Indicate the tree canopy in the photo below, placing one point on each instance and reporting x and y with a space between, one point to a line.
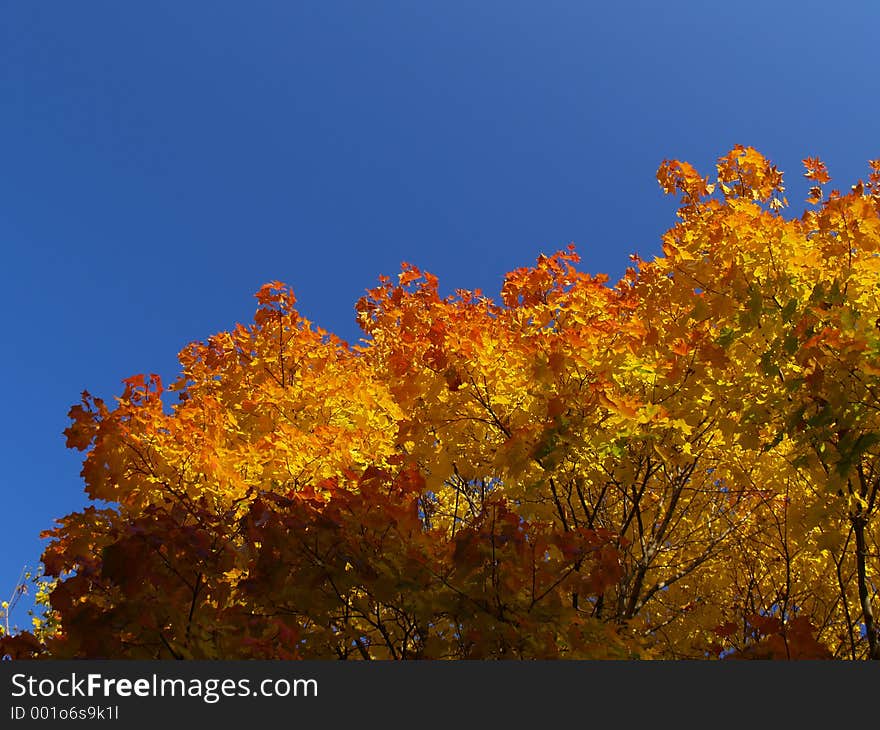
684 464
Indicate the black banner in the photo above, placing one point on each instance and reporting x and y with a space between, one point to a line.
451 694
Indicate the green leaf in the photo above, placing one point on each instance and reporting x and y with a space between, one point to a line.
726 338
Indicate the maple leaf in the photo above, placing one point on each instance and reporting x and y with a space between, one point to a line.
682 464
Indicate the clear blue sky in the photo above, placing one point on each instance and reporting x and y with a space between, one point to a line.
160 161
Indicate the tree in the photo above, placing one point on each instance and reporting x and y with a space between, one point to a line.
682 465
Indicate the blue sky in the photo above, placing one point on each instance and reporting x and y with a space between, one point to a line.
160 161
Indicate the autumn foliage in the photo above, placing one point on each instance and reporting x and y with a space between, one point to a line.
683 465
